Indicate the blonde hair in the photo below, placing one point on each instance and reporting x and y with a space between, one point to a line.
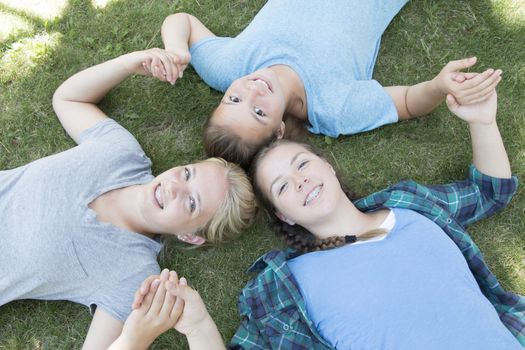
237 210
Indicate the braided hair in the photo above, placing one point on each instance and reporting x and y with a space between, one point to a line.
296 236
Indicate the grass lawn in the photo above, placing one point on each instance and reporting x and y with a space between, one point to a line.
44 42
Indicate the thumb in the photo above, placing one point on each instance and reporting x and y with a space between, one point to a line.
181 289
454 66
452 104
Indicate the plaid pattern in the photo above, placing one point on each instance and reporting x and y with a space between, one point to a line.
273 311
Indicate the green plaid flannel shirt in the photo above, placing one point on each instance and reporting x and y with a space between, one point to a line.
273 311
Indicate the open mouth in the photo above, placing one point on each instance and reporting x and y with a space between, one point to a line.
314 193
158 197
264 83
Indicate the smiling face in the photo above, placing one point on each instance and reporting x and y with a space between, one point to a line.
253 105
184 199
302 186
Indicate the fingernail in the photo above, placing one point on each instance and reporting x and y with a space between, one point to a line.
155 284
183 281
170 285
180 74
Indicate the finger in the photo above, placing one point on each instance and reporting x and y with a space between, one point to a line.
173 277
158 300
452 104
145 66
142 291
458 77
167 306
167 67
477 80
476 94
177 310
494 78
148 300
470 75
453 66
157 73
483 98
164 275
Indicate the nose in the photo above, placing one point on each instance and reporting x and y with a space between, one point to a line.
301 181
173 189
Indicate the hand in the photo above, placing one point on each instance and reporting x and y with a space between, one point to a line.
195 316
483 112
168 65
158 312
467 88
153 62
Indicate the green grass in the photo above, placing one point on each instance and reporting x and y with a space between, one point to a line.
37 54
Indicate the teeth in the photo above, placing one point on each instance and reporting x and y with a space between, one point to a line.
312 195
262 82
158 197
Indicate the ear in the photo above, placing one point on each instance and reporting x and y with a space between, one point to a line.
284 218
331 168
280 131
191 238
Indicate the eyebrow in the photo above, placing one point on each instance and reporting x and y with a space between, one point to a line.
198 195
252 113
294 158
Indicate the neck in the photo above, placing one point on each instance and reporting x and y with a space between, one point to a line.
293 89
121 208
348 220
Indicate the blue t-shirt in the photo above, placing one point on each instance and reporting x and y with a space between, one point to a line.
53 245
410 290
331 45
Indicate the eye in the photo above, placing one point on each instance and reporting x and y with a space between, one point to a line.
259 111
302 164
192 204
282 188
234 99
187 174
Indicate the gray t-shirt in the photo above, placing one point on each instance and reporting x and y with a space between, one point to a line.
53 246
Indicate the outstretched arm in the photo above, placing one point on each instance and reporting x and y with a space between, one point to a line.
420 99
75 101
489 154
179 32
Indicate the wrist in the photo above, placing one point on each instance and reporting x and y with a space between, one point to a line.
437 87
205 329
125 343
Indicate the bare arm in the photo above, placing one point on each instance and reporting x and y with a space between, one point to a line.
489 154
75 101
420 99
104 329
181 31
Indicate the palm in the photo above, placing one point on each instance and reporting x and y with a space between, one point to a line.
483 112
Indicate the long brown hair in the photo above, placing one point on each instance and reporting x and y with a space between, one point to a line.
297 236
220 141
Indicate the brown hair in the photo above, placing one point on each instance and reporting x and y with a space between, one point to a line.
236 211
220 141
296 236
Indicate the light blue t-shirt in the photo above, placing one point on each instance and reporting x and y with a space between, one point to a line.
53 246
332 45
411 290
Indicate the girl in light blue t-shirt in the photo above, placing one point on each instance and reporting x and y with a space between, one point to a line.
392 270
302 63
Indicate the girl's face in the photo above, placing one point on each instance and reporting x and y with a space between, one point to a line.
302 186
185 198
253 105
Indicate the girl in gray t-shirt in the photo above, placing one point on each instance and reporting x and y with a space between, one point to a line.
82 225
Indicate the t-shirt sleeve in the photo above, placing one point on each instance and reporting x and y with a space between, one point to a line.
110 132
350 108
214 61
116 299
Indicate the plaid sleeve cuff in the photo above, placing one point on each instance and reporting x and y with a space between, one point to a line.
500 189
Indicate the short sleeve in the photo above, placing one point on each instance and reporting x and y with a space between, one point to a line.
349 108
116 298
109 131
214 61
